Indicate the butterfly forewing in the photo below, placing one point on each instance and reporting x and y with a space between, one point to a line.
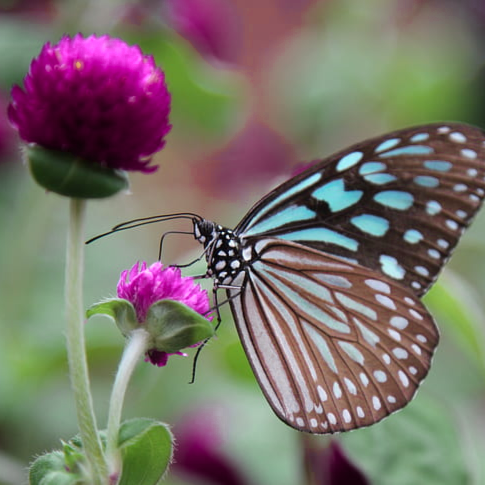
396 204
334 345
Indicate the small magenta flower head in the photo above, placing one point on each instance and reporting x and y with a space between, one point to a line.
97 103
170 307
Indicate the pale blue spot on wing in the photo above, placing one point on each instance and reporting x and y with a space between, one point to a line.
349 160
356 306
408 150
380 178
419 137
413 236
438 165
335 195
334 280
372 167
395 199
299 187
322 234
286 216
426 181
374 225
322 345
298 301
296 280
370 337
391 267
352 351
433 207
387 144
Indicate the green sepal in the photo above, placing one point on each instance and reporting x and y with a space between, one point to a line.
146 449
174 326
121 311
67 174
72 455
51 469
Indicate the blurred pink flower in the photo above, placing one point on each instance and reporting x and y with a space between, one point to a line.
34 10
211 26
8 137
255 156
200 453
330 466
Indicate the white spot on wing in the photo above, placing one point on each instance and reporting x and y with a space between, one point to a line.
346 416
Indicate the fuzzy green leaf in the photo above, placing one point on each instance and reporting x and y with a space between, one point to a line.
174 326
50 469
69 175
121 311
146 448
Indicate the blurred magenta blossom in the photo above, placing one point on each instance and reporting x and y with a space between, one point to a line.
8 137
330 466
200 453
34 10
97 98
256 156
211 26
142 286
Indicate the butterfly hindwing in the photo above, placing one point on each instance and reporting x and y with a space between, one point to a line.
334 345
396 204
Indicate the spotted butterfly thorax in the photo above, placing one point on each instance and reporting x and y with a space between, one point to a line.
324 274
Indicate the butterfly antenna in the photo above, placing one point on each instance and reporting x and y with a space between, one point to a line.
143 221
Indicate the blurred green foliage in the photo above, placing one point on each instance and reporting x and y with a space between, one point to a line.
350 70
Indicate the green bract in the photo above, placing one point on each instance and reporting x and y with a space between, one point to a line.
69 175
55 468
172 325
146 450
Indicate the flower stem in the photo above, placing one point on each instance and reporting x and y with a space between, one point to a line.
76 349
135 347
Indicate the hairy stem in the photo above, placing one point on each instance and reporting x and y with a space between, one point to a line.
76 348
134 349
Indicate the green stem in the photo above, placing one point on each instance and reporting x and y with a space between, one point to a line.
76 349
135 347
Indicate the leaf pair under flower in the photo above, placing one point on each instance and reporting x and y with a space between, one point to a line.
171 308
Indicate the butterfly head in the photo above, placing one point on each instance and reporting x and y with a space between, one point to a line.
222 250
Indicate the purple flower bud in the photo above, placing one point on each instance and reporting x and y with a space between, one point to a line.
97 98
143 287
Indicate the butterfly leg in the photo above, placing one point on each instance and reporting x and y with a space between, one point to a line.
161 246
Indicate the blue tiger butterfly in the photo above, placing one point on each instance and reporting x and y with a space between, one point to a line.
324 275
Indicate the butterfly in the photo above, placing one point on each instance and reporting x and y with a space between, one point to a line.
324 274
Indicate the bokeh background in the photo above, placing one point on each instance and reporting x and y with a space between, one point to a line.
258 86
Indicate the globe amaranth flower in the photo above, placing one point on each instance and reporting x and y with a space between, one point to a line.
97 98
143 286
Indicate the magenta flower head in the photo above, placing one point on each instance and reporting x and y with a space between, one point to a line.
97 99
170 307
